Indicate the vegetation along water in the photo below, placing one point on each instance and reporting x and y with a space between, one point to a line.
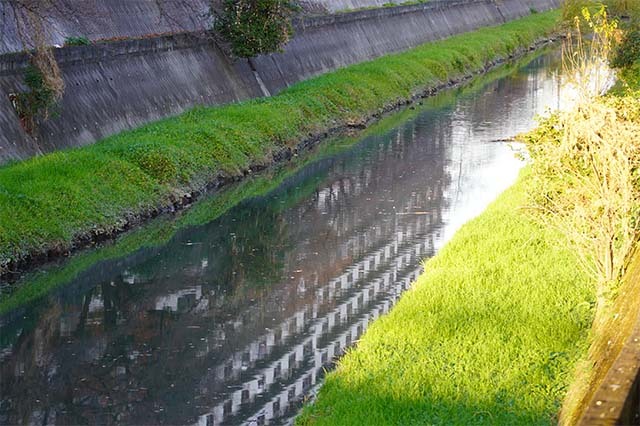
497 329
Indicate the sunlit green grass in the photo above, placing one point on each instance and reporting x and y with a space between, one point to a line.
49 201
489 334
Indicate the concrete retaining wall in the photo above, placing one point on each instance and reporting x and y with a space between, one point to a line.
104 19
110 88
616 399
333 6
115 86
117 19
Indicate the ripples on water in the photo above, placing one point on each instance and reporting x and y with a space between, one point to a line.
236 320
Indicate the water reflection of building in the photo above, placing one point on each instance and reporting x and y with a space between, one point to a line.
234 321
237 312
291 375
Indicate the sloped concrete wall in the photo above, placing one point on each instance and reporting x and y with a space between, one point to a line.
118 19
514 9
333 41
119 86
333 6
104 19
116 86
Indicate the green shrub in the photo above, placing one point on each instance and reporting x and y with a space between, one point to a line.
77 41
36 102
255 27
628 51
624 8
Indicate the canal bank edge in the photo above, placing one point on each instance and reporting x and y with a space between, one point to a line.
613 391
66 200
615 398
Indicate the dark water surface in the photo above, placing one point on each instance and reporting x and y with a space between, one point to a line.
233 320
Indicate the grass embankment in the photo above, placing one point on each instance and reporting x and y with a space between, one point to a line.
161 230
51 202
488 334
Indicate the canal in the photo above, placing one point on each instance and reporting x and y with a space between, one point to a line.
223 315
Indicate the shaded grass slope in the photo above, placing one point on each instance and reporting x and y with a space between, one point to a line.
489 334
50 203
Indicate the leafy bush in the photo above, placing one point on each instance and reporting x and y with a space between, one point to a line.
585 164
255 27
628 50
628 9
571 9
36 102
625 8
77 41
